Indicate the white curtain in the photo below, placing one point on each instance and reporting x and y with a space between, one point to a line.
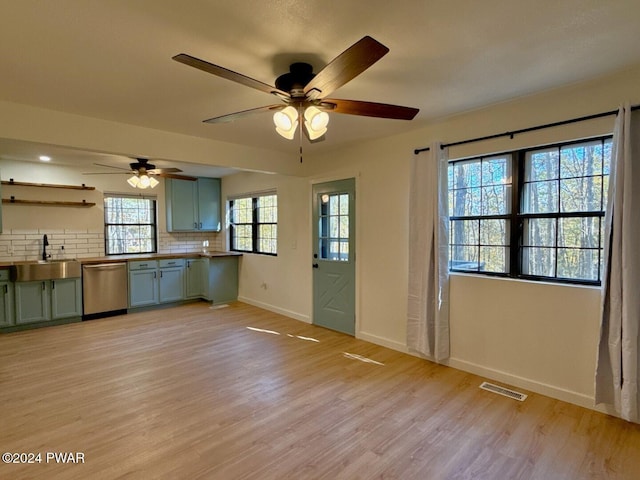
618 355
428 305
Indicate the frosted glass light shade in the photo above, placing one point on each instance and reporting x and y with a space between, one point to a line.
316 122
133 181
286 122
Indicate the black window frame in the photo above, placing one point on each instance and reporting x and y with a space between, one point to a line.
517 218
255 224
153 223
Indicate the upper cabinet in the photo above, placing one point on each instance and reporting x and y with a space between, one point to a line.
193 206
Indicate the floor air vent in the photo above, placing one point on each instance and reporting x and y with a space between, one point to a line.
490 387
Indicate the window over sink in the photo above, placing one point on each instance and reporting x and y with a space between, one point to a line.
130 224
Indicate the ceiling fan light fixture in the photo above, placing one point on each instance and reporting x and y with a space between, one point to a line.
144 181
286 122
316 122
316 119
133 181
153 182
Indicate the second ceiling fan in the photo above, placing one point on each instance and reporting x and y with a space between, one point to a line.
305 94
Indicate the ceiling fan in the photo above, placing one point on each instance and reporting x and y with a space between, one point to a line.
305 94
142 173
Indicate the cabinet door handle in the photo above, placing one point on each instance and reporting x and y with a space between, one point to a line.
6 289
195 225
42 285
160 273
200 225
53 284
155 275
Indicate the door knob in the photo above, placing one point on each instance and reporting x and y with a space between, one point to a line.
315 265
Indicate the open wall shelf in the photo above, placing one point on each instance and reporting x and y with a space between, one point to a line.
46 185
15 201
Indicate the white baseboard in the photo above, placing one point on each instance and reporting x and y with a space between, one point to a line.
541 388
528 384
383 342
273 308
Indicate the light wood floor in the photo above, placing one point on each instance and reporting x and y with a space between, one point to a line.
193 393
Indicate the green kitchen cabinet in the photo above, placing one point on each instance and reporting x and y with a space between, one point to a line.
7 317
222 280
196 277
0 210
66 298
46 300
171 282
143 283
193 206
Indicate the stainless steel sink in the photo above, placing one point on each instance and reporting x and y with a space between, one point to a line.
46 270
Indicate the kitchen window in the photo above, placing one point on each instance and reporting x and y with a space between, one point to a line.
253 226
129 224
536 213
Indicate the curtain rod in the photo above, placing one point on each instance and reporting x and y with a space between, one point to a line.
525 130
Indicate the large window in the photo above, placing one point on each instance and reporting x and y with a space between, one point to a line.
129 225
254 224
535 213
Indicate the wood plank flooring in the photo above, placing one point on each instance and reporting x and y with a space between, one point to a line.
241 393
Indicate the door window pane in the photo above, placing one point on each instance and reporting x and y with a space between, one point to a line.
333 226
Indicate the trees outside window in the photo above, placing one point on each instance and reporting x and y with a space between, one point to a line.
254 224
129 225
535 213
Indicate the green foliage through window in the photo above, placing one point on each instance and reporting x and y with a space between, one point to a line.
130 225
254 224
553 197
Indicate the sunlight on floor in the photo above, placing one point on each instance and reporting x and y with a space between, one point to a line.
272 332
263 330
355 356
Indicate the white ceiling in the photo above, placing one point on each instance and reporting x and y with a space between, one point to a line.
112 59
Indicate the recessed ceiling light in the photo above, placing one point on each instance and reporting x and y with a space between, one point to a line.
45 158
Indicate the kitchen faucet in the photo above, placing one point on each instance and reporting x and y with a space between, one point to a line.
45 242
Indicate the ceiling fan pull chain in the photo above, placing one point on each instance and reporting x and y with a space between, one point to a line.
300 136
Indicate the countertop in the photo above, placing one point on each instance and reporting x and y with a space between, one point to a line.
126 258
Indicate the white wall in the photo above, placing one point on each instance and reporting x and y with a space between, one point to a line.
281 283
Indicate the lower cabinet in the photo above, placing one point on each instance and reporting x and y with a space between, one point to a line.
171 282
46 300
222 279
7 318
152 282
143 283
196 272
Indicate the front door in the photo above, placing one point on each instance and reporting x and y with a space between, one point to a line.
334 255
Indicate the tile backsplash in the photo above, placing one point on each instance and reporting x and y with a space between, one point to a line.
19 245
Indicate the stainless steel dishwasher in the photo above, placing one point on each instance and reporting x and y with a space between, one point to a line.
104 290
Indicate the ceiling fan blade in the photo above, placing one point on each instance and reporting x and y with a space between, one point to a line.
228 74
178 177
157 171
368 109
111 166
128 172
346 66
245 113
